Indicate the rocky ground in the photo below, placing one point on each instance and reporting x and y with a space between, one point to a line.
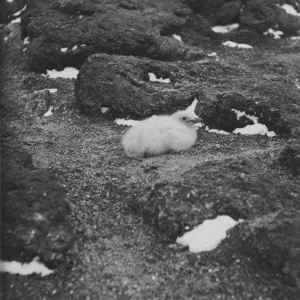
105 223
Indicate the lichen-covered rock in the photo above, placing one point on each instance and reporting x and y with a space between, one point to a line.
272 240
34 219
262 15
235 187
141 28
290 157
219 113
228 12
7 9
122 83
38 104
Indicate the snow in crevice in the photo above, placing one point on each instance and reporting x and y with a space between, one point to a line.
212 54
19 12
225 28
255 128
17 20
208 235
26 41
236 45
68 72
34 267
49 112
153 78
275 33
289 9
177 37
126 122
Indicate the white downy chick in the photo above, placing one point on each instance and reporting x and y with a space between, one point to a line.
162 134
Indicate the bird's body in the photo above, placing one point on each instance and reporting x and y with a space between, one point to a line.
161 134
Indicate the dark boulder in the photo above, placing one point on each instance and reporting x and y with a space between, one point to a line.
34 211
219 113
244 190
228 12
262 15
141 28
273 242
290 157
122 84
7 9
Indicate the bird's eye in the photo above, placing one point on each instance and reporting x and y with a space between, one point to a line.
184 118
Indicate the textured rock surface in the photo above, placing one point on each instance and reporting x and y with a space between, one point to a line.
244 190
290 157
114 27
34 212
273 241
7 9
122 84
262 15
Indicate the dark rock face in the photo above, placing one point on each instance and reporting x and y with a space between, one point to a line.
228 12
34 212
262 15
290 157
122 83
273 241
219 114
244 190
113 27
8 9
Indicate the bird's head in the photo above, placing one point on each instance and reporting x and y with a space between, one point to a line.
188 117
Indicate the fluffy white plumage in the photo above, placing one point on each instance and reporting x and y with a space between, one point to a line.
162 134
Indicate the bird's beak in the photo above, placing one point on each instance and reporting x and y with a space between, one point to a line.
196 120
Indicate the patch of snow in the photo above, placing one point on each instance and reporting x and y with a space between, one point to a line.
256 128
68 72
208 235
104 110
9 1
5 39
49 112
295 38
19 12
17 20
74 48
83 45
177 37
236 45
14 267
80 17
64 49
153 77
24 49
26 41
52 91
276 34
217 131
289 9
225 28
212 54
125 122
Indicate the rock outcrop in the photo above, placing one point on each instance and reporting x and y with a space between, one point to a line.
244 190
34 211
